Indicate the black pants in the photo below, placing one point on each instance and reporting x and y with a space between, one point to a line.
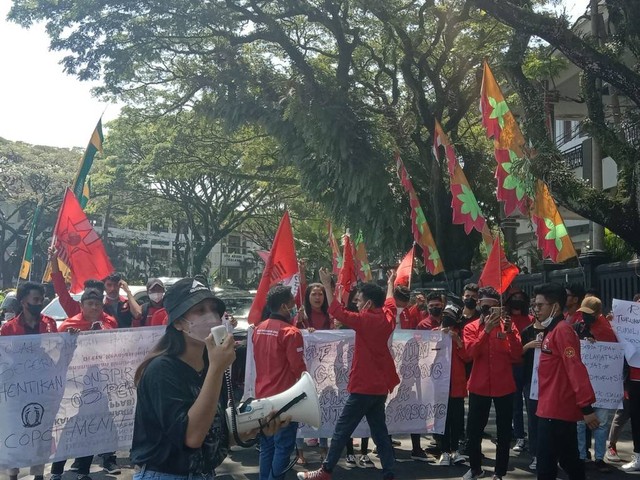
532 420
454 426
364 446
558 443
84 464
479 407
634 402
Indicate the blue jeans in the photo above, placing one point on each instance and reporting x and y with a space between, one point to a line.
599 435
372 407
144 474
275 452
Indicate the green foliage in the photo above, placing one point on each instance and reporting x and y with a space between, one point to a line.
617 249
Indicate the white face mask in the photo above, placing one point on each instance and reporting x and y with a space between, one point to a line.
8 316
549 319
156 297
200 327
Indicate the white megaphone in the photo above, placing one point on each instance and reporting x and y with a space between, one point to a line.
300 402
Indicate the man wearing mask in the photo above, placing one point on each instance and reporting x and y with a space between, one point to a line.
594 327
575 295
565 395
435 305
373 324
155 291
30 297
517 303
279 357
123 309
493 344
470 311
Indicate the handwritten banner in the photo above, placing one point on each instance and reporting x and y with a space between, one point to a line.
417 405
604 362
66 396
626 324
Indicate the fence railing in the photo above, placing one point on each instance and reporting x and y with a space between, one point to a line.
611 280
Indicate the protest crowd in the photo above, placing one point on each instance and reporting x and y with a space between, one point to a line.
180 428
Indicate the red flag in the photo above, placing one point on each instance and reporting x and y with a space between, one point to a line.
498 271
78 244
347 278
335 250
405 269
281 265
263 254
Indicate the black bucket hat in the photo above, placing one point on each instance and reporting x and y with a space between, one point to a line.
186 293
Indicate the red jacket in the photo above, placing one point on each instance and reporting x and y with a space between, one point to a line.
317 321
429 323
160 317
278 351
15 326
78 321
373 371
521 321
71 307
564 387
409 318
573 318
493 355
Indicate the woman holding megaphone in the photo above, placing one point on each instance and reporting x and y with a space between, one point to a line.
180 427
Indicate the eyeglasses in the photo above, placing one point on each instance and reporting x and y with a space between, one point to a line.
538 306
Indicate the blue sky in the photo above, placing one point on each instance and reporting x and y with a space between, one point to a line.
40 104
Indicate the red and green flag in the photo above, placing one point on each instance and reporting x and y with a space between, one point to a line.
94 146
508 143
419 226
466 210
362 259
553 237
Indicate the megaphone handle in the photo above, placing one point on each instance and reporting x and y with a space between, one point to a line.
234 422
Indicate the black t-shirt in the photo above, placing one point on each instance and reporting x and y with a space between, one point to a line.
528 335
166 392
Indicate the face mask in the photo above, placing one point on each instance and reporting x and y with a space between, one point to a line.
519 305
8 316
365 306
34 310
156 297
470 303
588 318
293 311
485 309
435 311
200 327
549 319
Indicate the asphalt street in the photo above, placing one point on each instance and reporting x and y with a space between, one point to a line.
242 464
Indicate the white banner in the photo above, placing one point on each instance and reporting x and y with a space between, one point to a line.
626 324
66 396
604 362
417 405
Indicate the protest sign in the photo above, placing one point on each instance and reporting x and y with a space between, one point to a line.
626 324
66 396
604 362
417 405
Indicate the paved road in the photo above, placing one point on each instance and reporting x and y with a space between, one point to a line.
243 465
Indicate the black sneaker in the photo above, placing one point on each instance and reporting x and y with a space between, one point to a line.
110 466
83 477
75 466
419 455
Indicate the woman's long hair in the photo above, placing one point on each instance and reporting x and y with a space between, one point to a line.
172 344
307 303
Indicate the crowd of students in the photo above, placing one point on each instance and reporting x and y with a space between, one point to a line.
181 431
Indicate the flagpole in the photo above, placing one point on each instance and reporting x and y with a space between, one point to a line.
413 256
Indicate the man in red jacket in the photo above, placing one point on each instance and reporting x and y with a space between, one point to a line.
279 357
30 321
565 394
373 373
493 344
30 297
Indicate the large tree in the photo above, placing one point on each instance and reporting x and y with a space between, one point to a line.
341 85
208 182
610 59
